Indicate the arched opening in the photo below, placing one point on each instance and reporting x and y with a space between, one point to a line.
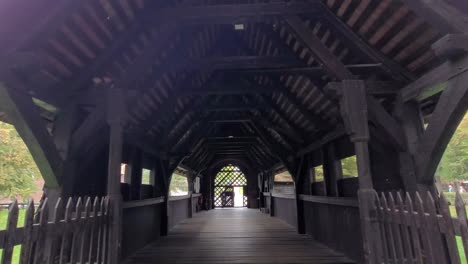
230 187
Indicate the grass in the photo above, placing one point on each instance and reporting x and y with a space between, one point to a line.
3 224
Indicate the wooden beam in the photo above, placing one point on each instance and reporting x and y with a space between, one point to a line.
290 124
450 110
355 42
331 136
235 13
63 129
434 81
325 57
238 63
440 14
384 121
240 108
32 128
227 89
451 46
313 70
374 88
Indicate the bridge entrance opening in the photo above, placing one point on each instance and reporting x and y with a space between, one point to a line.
229 187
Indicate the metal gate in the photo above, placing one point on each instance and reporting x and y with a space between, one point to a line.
227 178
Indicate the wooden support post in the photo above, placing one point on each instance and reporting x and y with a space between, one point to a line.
410 118
164 169
298 184
190 179
115 119
270 187
354 111
136 174
332 170
154 180
353 106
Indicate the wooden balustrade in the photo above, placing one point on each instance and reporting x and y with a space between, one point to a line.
74 233
416 228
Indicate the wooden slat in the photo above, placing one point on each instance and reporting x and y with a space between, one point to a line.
450 232
10 236
43 215
65 245
25 256
406 239
414 230
85 229
93 231
51 237
461 214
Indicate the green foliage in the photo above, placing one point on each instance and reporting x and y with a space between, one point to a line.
319 174
454 163
349 166
179 185
145 177
17 168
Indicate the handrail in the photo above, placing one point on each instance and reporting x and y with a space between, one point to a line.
177 198
283 195
145 202
341 201
196 195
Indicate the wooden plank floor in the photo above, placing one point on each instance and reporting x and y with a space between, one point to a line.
235 236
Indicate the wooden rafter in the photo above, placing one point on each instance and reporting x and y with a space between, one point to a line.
235 13
32 129
441 15
332 64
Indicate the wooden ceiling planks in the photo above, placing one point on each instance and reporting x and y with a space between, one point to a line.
107 37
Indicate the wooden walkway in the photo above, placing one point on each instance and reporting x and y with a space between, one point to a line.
235 236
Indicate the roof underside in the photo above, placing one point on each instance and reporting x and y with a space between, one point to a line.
198 88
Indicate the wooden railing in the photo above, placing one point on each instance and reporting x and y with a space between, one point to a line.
413 228
73 233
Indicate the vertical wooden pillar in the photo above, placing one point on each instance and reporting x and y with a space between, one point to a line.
164 169
154 180
353 106
136 174
410 117
270 188
299 183
190 178
115 119
332 170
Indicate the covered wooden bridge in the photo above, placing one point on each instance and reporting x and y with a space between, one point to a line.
247 90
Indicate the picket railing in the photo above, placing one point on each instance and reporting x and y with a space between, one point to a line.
73 233
414 229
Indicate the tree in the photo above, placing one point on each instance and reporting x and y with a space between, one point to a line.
18 171
349 166
454 163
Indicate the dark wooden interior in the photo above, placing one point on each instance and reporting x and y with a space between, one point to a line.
268 86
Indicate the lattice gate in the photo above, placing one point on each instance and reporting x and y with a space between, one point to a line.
227 178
